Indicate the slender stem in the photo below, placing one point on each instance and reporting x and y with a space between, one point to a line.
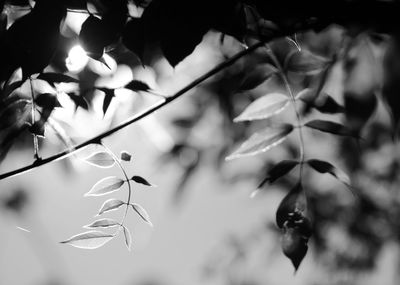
33 114
293 102
118 162
137 117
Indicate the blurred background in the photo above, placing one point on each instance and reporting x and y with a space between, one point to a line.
208 229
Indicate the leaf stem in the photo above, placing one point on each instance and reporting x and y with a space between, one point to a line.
293 102
33 120
118 162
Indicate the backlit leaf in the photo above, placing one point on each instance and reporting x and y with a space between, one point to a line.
294 202
330 127
294 245
326 167
89 240
262 141
280 169
110 205
128 238
257 76
100 159
264 107
103 223
105 186
142 213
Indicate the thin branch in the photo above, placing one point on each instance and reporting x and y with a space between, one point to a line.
138 117
33 112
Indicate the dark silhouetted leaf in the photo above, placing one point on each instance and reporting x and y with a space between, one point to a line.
38 128
125 156
79 101
262 141
257 76
100 159
92 37
47 101
108 96
137 85
264 107
294 245
128 238
103 223
140 180
280 169
305 62
330 127
52 78
295 202
110 205
106 186
326 167
9 89
142 213
89 240
324 103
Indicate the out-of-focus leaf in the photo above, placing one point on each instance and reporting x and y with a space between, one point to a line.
137 85
103 223
89 240
264 107
106 186
9 89
53 77
47 101
257 76
140 180
125 156
13 113
110 205
280 169
79 101
38 128
100 159
326 167
330 127
92 37
108 96
305 62
142 213
262 141
294 245
128 238
358 109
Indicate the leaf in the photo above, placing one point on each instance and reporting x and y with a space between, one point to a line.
92 37
280 169
326 167
294 202
262 141
103 223
142 213
105 186
38 129
330 127
100 159
89 240
257 76
264 107
125 156
9 89
79 101
128 238
294 245
110 205
108 96
137 85
53 77
47 101
325 104
305 62
141 180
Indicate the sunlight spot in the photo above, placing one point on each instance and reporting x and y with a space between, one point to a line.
77 59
